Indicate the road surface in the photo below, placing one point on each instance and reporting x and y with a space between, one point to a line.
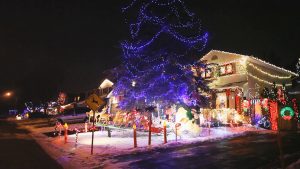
19 151
246 152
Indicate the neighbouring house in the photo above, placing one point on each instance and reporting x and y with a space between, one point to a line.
231 74
236 82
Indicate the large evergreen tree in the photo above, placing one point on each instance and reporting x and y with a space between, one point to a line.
157 60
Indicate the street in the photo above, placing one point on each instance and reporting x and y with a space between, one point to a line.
19 149
251 151
254 150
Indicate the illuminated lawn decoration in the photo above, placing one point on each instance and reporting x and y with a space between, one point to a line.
264 104
283 113
246 105
186 126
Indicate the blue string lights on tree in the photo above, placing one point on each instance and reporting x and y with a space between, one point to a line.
156 62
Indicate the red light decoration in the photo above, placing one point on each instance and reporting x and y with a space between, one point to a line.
238 103
295 107
274 115
228 92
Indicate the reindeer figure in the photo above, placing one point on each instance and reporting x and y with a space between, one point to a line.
119 118
90 115
103 116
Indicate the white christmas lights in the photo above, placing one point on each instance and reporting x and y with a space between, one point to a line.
268 74
264 81
254 58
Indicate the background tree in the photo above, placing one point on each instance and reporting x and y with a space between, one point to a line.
157 57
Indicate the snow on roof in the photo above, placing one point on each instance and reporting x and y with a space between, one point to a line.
105 84
253 59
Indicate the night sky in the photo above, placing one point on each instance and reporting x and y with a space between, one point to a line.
58 45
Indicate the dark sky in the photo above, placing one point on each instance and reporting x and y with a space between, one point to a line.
52 45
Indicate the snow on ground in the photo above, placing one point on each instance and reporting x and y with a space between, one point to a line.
121 142
295 165
122 139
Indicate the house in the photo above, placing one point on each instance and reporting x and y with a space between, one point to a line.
231 75
105 88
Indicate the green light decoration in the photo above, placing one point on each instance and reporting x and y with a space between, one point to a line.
283 113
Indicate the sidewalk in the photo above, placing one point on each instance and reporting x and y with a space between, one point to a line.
19 150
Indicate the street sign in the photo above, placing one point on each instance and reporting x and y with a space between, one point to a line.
94 102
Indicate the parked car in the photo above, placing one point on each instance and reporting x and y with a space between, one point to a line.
71 116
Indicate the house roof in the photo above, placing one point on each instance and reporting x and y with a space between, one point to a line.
252 59
105 84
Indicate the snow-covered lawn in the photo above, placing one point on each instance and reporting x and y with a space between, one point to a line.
120 142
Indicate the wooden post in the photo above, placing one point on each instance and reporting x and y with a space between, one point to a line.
76 139
176 129
66 132
150 124
92 146
176 132
134 136
209 128
85 127
165 132
108 132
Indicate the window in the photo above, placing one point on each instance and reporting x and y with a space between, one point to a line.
226 69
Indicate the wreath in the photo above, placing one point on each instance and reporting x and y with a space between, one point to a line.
283 113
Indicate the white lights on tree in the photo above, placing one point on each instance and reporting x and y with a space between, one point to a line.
133 83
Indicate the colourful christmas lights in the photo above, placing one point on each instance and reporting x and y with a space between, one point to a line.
274 114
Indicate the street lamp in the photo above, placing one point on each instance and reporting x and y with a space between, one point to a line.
7 94
11 95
